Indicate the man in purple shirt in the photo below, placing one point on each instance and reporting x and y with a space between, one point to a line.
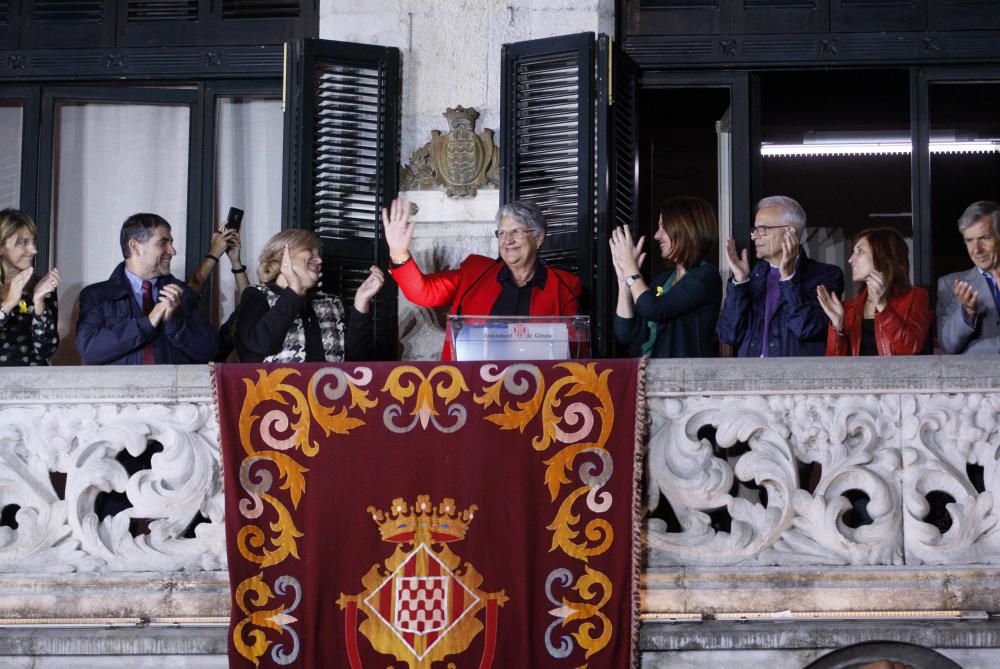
772 310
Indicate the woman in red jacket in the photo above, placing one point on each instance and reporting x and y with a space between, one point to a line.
889 316
517 283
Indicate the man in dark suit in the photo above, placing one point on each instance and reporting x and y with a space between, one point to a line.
772 309
967 305
142 314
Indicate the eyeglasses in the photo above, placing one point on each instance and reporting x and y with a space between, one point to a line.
764 229
516 234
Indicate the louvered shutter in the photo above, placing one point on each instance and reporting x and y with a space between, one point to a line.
216 22
547 143
9 24
341 162
58 23
617 174
556 146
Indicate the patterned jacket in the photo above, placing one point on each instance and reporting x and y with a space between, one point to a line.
272 327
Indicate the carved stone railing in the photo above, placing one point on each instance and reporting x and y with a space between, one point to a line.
814 484
73 547
803 485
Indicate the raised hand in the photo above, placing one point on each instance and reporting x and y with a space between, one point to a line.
369 289
292 279
877 289
967 297
789 252
232 238
217 246
398 228
16 289
833 307
625 253
47 284
739 264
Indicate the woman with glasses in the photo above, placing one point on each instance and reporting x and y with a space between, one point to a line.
675 315
28 310
517 283
889 316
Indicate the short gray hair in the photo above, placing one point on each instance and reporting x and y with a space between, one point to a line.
976 211
792 212
524 213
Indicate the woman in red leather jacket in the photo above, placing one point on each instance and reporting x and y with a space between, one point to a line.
889 316
516 283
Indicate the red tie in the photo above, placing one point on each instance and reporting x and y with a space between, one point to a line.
149 351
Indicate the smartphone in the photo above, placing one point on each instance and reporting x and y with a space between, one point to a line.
234 219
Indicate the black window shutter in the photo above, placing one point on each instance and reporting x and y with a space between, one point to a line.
547 144
62 23
617 173
568 144
341 158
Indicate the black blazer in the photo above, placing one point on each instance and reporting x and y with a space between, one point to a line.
686 315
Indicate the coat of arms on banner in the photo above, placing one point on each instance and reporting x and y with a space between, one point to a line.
423 603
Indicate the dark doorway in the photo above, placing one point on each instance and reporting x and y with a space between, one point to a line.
839 143
682 134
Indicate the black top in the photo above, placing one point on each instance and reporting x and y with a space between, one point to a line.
868 345
262 329
29 339
515 300
686 316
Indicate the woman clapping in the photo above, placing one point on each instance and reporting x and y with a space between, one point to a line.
889 316
28 334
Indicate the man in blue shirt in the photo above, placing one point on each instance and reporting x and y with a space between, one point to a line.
772 310
967 307
142 314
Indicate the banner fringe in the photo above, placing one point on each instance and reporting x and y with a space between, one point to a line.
638 507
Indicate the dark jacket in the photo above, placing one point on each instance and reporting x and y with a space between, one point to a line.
686 316
112 330
277 325
798 325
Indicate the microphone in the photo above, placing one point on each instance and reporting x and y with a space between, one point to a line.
458 308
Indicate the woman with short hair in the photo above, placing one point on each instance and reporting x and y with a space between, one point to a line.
286 319
889 316
28 307
517 283
675 315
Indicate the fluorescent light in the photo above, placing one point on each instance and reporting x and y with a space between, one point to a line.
877 148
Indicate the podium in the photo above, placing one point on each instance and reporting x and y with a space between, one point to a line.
519 337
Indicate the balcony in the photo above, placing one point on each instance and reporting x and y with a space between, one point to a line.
795 506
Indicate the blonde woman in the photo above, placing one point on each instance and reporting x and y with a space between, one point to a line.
285 319
28 308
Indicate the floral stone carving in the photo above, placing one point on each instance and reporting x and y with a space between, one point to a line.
460 160
853 480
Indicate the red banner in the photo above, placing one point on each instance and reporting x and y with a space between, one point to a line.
429 515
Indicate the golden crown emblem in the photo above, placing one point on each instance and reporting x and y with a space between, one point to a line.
422 522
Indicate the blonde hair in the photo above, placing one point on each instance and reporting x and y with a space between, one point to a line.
13 221
269 262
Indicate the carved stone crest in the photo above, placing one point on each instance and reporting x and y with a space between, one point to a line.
460 160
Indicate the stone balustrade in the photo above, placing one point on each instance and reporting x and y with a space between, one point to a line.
810 485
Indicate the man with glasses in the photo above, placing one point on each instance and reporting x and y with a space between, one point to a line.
772 309
967 307
516 283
